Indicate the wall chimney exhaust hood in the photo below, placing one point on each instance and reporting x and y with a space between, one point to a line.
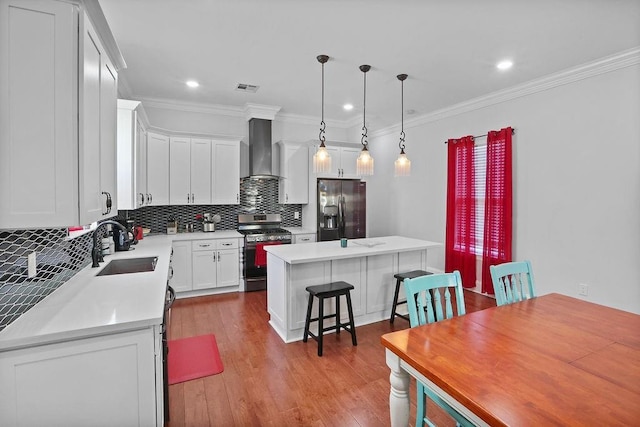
260 141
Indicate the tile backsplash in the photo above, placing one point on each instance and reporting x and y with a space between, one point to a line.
58 258
256 196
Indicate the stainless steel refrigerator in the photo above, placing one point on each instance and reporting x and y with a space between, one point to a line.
342 209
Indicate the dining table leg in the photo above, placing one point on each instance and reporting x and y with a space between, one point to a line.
399 394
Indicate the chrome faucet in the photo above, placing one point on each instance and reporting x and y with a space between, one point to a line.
96 252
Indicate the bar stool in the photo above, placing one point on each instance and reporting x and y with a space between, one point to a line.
399 279
334 289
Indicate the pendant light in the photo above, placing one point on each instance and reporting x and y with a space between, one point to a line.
322 158
364 164
402 163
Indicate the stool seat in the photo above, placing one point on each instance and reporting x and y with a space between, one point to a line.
399 279
411 274
329 290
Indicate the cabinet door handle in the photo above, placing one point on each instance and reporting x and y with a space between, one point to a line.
237 197
108 203
149 198
192 198
226 244
141 199
170 272
188 197
218 256
202 245
286 197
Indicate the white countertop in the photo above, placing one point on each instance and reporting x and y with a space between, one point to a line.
201 235
87 305
325 251
299 230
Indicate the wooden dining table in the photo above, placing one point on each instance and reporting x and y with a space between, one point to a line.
550 360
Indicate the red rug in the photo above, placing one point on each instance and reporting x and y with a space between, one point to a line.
195 357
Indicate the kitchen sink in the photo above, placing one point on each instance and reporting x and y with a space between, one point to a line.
129 265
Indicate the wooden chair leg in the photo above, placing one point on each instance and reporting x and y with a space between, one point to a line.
421 404
308 319
338 314
320 324
395 301
351 322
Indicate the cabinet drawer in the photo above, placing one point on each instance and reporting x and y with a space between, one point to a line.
305 238
213 244
203 245
227 244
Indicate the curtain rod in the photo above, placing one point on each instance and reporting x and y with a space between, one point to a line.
482 136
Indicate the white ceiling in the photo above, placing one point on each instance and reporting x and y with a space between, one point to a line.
448 48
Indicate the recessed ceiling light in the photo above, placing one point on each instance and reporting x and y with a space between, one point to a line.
504 65
193 83
348 107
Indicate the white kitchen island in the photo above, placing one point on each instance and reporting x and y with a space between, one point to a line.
368 264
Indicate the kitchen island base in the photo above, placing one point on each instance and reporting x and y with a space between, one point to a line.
369 269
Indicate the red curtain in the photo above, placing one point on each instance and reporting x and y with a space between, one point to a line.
498 204
461 211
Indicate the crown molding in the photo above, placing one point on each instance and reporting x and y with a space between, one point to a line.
142 115
230 111
124 88
604 65
94 11
128 104
169 104
260 111
188 134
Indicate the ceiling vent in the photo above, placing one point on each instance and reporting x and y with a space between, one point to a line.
244 87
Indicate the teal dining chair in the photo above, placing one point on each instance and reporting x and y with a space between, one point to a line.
512 282
432 303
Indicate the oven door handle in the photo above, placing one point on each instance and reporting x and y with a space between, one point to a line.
172 297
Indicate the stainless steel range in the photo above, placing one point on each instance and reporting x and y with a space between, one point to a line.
259 230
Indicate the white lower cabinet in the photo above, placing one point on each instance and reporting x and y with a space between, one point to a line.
205 264
304 238
111 379
204 269
181 279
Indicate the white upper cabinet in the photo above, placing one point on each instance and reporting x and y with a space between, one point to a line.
157 169
343 162
348 158
189 171
130 166
225 172
294 172
200 171
57 116
179 171
142 194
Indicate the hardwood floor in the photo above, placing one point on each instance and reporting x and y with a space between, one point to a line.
266 382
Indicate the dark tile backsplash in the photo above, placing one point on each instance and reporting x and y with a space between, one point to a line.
58 259
256 196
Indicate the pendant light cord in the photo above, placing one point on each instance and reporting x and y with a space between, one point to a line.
401 143
402 78
322 123
363 140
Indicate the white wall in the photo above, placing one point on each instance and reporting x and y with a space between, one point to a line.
576 184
